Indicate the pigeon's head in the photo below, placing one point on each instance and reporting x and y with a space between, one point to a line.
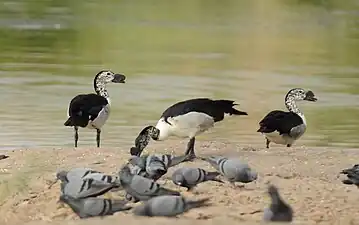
178 179
107 76
135 170
62 175
125 175
253 175
64 198
247 175
156 168
299 94
137 161
142 210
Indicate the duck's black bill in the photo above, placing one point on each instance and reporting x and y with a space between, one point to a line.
119 78
310 97
135 151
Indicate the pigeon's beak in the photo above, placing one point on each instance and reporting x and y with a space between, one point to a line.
119 78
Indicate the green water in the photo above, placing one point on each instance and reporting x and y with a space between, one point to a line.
249 51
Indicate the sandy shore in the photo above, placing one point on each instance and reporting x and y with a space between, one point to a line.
308 178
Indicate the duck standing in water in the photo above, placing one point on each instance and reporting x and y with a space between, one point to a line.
286 127
186 119
92 110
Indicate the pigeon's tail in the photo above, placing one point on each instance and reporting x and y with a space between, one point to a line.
69 122
213 176
180 159
119 205
353 177
227 107
75 204
349 171
211 161
197 204
348 181
165 191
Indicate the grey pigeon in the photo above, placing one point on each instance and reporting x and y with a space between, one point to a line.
90 207
155 166
168 206
278 211
190 177
142 188
137 165
73 174
86 188
232 169
352 175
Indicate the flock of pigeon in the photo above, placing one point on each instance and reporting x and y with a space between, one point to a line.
81 188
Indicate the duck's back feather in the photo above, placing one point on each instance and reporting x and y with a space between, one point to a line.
280 121
213 108
83 108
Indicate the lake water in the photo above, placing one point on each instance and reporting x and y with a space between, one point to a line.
249 51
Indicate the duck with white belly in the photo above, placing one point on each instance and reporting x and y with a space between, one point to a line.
92 110
186 119
286 127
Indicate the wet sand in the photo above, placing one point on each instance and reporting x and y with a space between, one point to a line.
307 178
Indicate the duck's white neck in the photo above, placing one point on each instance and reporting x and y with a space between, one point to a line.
291 105
100 88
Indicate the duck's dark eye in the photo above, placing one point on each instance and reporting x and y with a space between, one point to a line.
108 73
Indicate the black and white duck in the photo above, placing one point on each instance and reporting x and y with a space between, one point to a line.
186 119
92 110
286 127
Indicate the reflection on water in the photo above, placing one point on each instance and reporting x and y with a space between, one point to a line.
250 52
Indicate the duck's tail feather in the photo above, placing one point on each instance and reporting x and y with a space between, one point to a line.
227 106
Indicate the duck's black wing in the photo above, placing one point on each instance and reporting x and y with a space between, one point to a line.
83 108
280 121
213 108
